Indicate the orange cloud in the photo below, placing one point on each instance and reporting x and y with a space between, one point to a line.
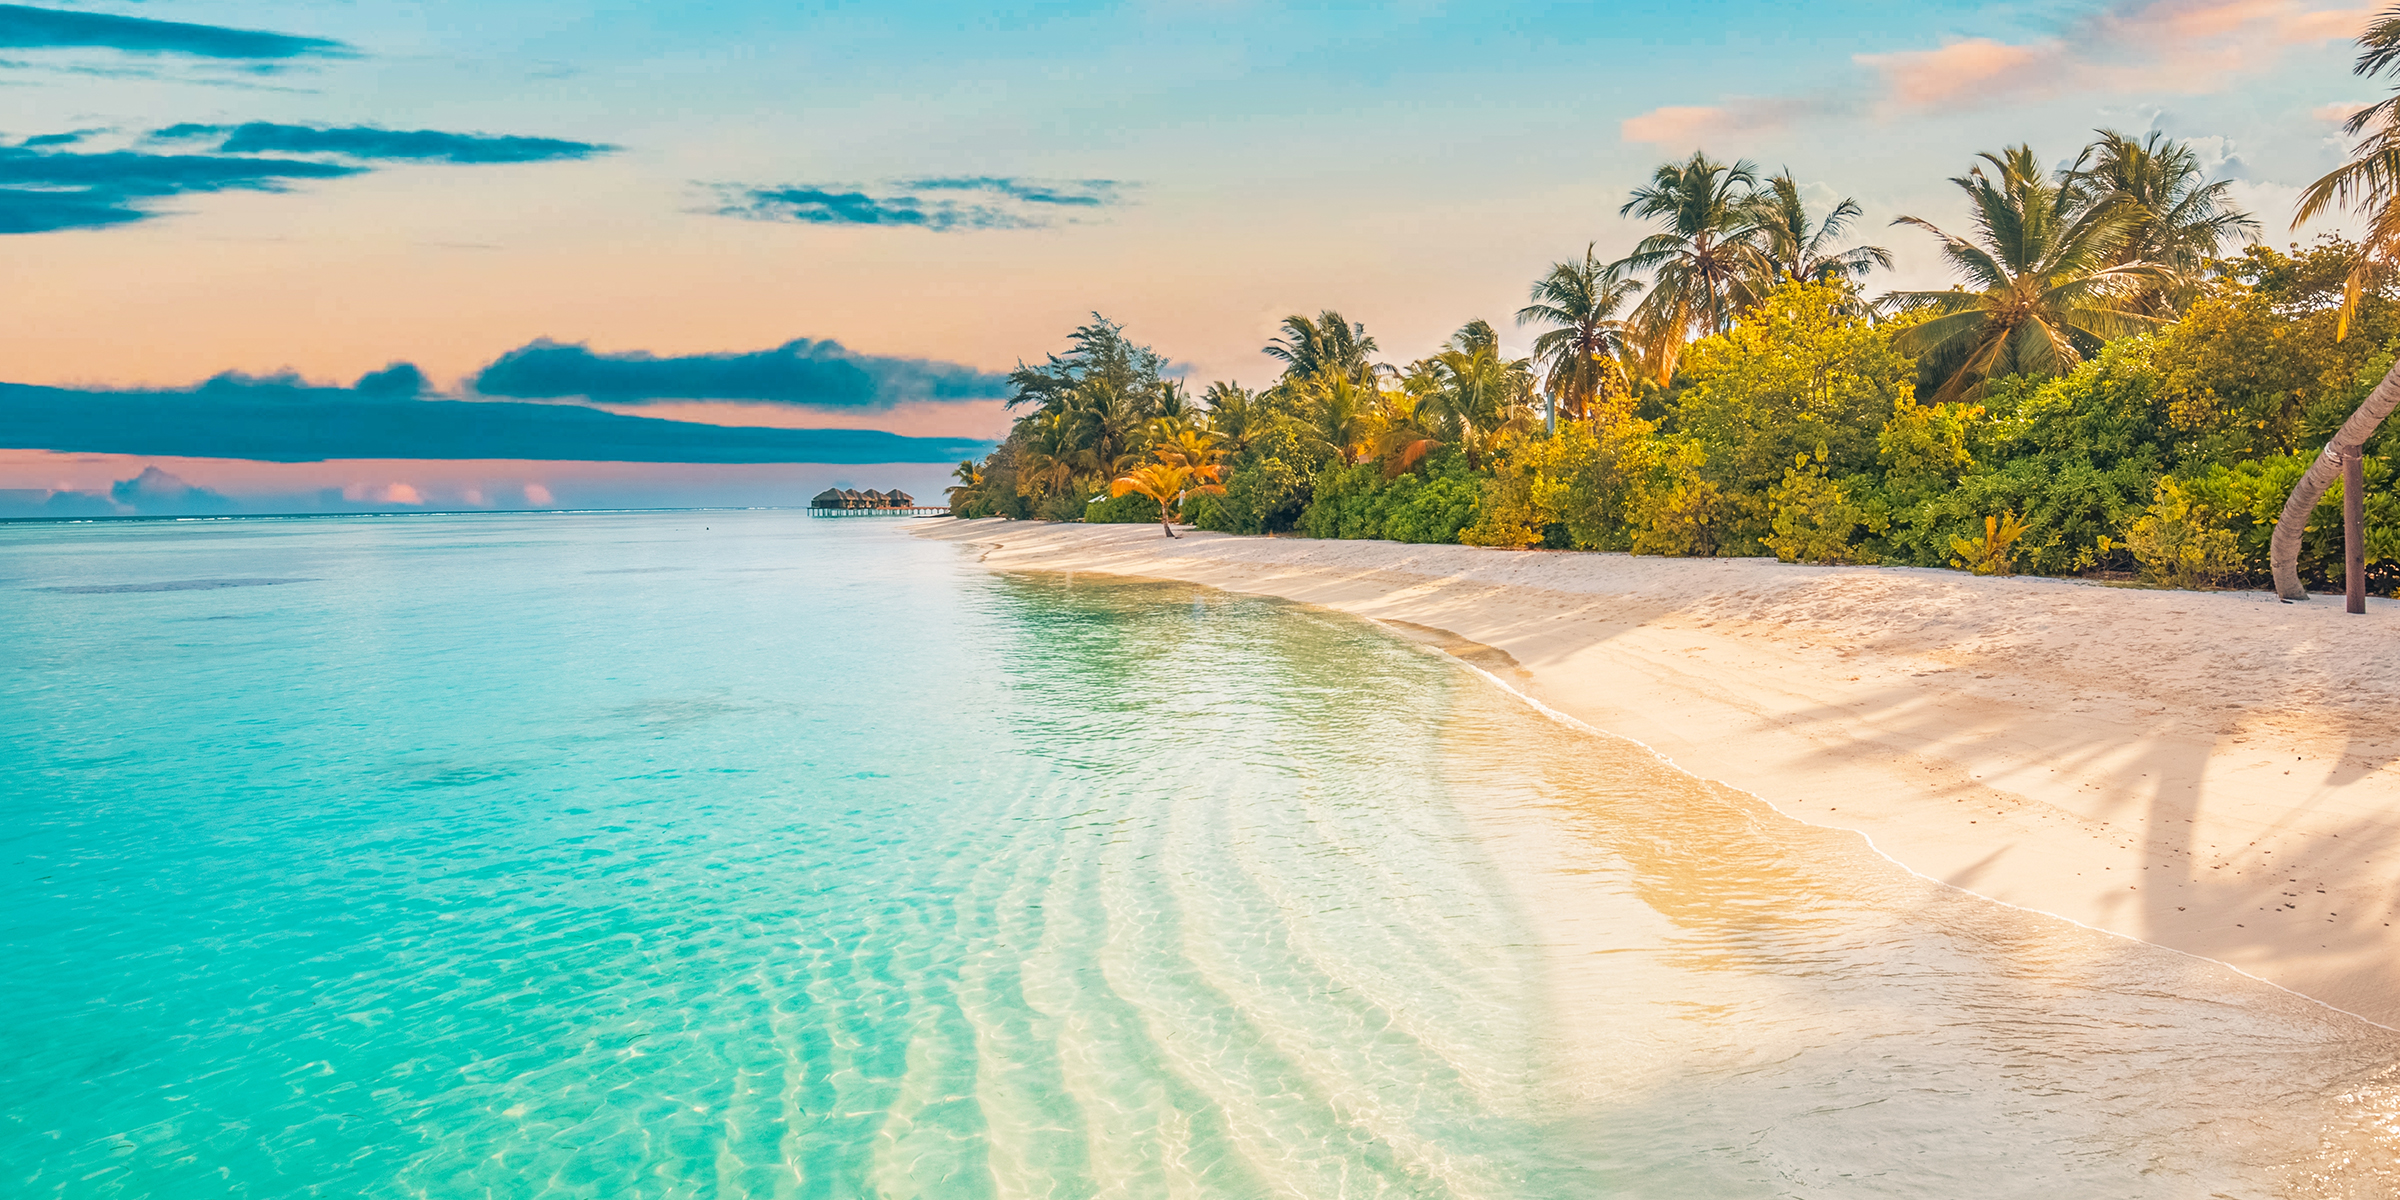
1975 69
2182 45
1689 125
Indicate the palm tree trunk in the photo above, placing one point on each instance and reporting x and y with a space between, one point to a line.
2284 549
2354 532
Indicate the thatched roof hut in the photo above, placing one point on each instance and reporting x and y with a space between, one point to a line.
829 498
900 499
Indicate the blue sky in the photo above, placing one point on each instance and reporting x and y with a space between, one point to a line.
323 190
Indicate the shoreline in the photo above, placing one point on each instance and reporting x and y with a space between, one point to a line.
2214 773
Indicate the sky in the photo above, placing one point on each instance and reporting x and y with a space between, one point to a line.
638 228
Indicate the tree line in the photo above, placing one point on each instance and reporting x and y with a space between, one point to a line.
2123 380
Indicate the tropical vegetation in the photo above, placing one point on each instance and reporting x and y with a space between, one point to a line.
2123 382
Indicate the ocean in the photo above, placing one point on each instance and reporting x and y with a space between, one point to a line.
736 854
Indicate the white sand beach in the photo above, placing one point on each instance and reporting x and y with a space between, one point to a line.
2212 772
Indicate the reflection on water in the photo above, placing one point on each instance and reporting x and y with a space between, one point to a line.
603 856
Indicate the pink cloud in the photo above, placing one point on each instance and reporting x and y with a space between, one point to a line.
539 496
1681 126
1975 69
390 493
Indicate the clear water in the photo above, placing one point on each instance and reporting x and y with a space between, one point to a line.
732 854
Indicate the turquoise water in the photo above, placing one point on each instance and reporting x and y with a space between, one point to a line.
733 854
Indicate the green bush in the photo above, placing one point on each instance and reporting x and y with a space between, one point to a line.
1132 508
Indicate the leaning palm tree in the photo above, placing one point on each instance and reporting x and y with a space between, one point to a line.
1586 347
1797 250
1328 345
2043 288
2369 184
1707 264
2180 220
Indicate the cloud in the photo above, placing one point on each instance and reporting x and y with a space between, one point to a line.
370 142
539 496
983 202
25 28
281 419
816 373
155 491
1974 69
1689 125
2175 45
2185 46
45 186
43 190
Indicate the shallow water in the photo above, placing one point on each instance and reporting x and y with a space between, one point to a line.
734 854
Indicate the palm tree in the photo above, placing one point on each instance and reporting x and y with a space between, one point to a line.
1341 413
2044 287
1328 345
1795 250
1405 440
1581 300
2369 184
2180 220
1231 408
1707 264
1166 483
1478 397
969 477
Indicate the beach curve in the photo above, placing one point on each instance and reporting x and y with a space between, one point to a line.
2208 772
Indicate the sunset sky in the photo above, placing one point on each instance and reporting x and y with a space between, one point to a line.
522 198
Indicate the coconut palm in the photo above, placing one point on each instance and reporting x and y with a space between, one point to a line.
969 476
1231 410
2044 288
1341 413
1478 397
1584 350
1165 483
1797 250
1707 264
2369 184
1328 345
2180 220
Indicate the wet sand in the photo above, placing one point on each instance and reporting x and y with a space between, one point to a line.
2211 772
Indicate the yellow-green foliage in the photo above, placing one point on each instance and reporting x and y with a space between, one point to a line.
1671 509
1994 553
1568 490
1814 517
2181 542
1803 373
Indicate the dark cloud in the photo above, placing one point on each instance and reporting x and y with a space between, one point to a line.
44 190
369 142
820 373
155 491
46 187
280 419
942 204
26 28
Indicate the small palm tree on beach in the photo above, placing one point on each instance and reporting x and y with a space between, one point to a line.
1166 483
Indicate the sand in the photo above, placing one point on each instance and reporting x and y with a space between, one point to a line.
2208 771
